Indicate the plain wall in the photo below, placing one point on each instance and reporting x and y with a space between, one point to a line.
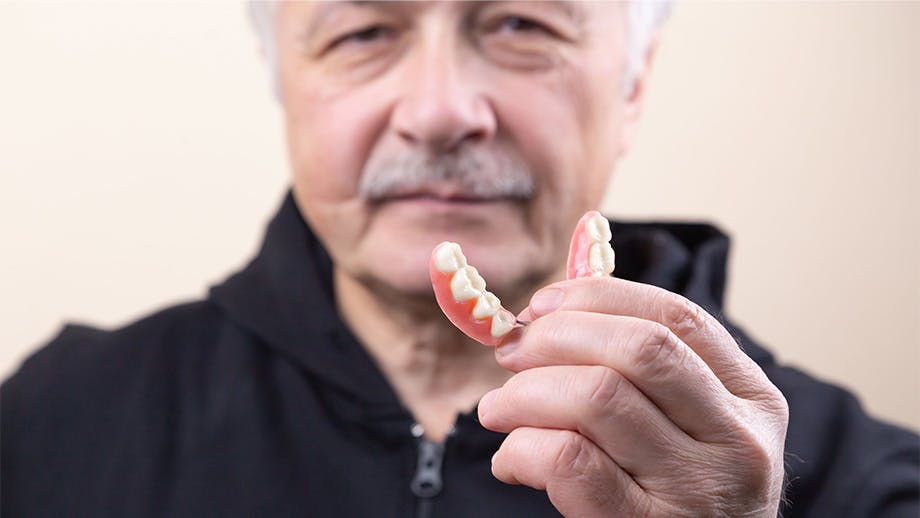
142 153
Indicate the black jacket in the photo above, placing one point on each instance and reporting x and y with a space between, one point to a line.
258 401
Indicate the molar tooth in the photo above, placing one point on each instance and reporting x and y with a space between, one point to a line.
502 323
478 282
601 258
462 287
486 306
599 229
449 258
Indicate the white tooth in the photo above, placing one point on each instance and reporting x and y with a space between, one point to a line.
478 282
599 229
461 286
449 258
486 305
601 258
502 322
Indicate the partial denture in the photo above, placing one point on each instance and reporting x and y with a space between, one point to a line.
590 254
462 295
461 291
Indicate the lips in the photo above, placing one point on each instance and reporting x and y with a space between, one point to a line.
442 193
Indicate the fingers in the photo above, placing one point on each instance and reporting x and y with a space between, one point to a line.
596 402
578 477
690 323
670 374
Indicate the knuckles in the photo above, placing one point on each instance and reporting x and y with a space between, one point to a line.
575 458
656 350
775 404
604 399
578 462
680 314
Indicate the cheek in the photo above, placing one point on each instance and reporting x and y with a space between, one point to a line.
326 144
541 123
594 124
561 122
330 133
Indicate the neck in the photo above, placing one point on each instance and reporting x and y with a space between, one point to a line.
436 371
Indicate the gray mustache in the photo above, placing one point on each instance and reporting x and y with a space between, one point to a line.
476 173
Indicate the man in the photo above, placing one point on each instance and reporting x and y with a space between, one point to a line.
324 380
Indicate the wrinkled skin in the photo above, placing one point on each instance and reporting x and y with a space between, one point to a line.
625 400
629 400
436 77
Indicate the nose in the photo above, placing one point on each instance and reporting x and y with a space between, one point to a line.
441 108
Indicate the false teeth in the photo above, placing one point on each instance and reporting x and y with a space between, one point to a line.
601 259
462 285
461 293
486 306
502 323
590 253
448 258
599 229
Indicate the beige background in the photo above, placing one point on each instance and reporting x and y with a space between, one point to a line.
142 154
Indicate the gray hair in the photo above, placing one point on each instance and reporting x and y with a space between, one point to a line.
644 18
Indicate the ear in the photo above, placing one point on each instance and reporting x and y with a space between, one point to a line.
635 97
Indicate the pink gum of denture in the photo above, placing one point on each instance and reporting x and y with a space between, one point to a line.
460 312
579 264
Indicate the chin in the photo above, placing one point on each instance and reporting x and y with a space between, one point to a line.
509 270
401 268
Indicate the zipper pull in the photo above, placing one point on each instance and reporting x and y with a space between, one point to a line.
427 482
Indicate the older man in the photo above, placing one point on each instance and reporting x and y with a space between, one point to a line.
324 380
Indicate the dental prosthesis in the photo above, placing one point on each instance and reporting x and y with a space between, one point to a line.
461 291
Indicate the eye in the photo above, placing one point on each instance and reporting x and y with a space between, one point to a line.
366 35
520 24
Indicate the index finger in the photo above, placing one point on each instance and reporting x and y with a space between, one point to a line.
687 320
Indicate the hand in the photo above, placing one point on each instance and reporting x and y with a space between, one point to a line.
629 400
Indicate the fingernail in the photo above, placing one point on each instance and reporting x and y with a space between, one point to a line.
511 342
485 403
525 316
546 301
507 349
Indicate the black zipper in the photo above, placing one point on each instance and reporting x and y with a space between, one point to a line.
427 481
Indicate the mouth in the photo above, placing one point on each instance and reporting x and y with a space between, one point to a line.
431 199
445 196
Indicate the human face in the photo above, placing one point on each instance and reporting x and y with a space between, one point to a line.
366 85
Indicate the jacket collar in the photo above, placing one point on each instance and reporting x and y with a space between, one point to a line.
284 297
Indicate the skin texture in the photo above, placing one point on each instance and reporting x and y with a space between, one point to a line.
435 84
632 401
619 399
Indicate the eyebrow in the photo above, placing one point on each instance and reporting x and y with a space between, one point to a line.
573 10
324 9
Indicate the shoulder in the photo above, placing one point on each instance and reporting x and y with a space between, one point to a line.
83 353
97 409
82 376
